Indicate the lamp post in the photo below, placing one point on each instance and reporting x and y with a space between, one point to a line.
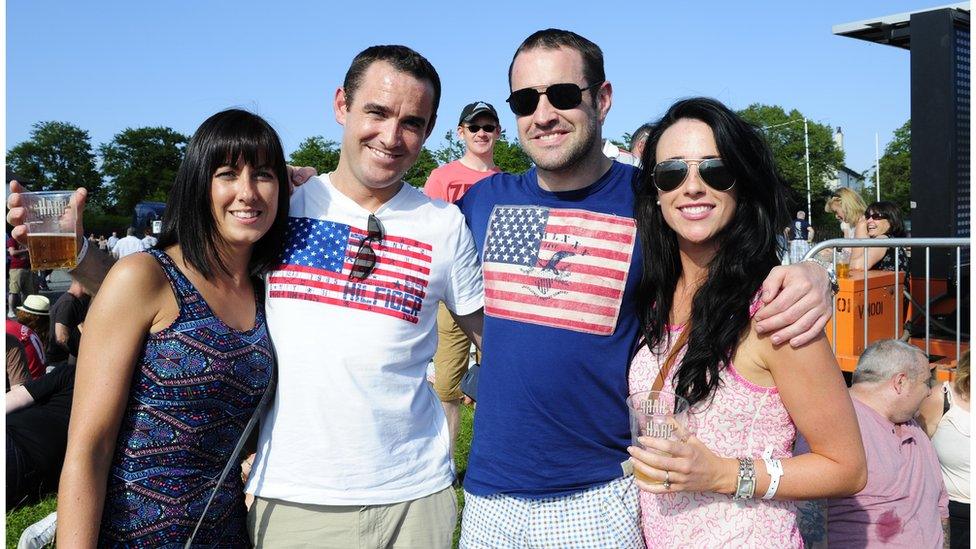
806 147
877 169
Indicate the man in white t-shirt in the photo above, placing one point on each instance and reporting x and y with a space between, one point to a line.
128 245
148 241
355 449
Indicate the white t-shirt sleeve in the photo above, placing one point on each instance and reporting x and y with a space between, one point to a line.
465 291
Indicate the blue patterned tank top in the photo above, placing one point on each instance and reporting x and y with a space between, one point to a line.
195 386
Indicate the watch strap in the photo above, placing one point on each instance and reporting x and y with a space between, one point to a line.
746 482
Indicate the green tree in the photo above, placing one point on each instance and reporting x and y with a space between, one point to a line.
141 164
624 141
450 152
509 156
58 155
418 173
784 133
896 171
317 152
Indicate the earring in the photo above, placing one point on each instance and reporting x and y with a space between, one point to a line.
658 202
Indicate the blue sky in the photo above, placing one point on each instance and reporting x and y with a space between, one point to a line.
108 65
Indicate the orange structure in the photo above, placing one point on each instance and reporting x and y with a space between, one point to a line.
849 316
881 309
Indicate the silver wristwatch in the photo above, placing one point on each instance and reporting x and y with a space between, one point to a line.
831 274
745 487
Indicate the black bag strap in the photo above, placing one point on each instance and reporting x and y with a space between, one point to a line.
232 461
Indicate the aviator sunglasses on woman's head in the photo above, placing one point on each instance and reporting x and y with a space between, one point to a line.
561 96
670 174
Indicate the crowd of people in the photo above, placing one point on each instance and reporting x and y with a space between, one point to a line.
133 241
318 308
42 348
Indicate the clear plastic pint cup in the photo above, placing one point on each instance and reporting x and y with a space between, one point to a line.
51 238
658 414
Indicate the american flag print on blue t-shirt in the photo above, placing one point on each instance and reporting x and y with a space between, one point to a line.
319 255
557 267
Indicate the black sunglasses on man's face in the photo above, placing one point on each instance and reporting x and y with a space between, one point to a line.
474 128
365 259
562 96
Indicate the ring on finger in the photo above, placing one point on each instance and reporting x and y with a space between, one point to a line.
667 480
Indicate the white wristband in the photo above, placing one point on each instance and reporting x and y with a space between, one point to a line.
84 250
775 469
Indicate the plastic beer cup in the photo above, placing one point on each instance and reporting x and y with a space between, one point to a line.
659 414
51 239
843 264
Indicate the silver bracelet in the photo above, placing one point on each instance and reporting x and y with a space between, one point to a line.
831 275
745 487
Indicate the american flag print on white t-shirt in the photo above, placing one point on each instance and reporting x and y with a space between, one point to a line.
563 268
319 255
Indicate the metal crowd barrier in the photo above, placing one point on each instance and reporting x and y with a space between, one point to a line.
908 243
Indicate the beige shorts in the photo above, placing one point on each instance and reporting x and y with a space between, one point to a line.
451 358
21 282
423 523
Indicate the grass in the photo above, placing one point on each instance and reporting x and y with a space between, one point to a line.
461 451
21 518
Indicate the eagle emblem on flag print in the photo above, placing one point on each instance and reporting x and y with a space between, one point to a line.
564 268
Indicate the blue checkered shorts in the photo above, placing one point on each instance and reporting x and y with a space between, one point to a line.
602 517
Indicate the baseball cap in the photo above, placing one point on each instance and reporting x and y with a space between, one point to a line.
472 110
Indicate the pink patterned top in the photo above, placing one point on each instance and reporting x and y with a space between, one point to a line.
741 420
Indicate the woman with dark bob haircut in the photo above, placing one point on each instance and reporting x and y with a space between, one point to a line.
710 204
883 221
176 355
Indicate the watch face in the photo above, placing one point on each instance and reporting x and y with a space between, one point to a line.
745 489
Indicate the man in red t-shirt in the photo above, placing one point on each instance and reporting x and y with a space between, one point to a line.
33 347
20 280
479 127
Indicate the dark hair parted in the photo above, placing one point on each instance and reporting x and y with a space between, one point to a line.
226 138
747 248
891 212
553 39
402 59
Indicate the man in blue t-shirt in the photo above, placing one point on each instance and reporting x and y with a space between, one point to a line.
801 235
548 463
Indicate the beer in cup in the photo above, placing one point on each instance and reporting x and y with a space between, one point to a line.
843 264
658 414
51 239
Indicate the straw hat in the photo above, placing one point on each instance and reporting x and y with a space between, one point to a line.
36 305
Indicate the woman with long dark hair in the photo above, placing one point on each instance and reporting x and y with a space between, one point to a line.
176 355
883 221
710 205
